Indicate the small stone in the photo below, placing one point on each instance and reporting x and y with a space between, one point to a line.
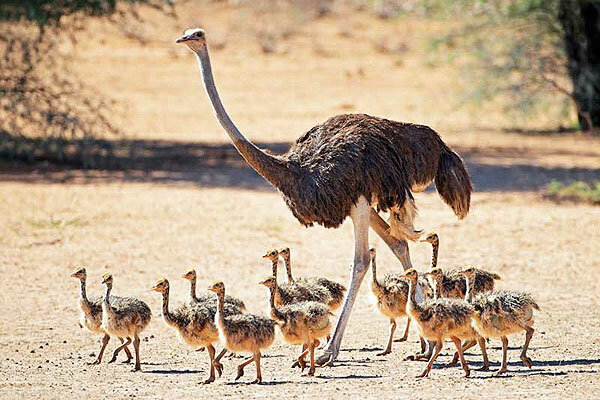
64 341
41 346
32 351
92 355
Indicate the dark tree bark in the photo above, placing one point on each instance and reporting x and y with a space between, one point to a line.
580 20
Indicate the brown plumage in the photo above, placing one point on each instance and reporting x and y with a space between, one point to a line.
195 325
336 290
439 319
500 313
126 321
295 292
91 316
243 332
209 298
300 323
453 284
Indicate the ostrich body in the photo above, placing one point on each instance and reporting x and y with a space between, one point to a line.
345 166
209 298
295 292
127 321
453 284
243 332
300 323
336 290
195 325
91 316
501 313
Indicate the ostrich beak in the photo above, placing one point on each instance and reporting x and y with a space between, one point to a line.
182 39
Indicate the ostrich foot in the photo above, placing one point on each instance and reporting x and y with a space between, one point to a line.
257 381
210 379
311 372
385 352
326 359
527 361
402 339
484 368
95 362
218 367
500 371
423 374
240 373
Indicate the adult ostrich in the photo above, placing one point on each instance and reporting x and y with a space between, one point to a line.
345 167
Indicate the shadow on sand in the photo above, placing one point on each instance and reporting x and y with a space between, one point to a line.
219 165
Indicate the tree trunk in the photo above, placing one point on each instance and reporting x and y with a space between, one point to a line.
580 20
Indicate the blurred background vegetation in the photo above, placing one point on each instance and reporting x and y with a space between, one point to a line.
531 54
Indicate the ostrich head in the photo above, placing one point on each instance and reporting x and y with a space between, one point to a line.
79 273
435 273
190 275
272 254
194 39
468 272
107 279
372 253
431 238
284 252
217 287
270 282
162 285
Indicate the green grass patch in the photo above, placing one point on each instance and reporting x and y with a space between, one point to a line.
578 192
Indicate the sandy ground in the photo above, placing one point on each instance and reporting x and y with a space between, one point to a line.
196 204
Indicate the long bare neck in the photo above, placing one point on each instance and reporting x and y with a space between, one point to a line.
288 267
274 267
193 289
437 288
82 292
219 317
411 304
275 313
434 255
107 295
273 169
470 286
374 271
165 306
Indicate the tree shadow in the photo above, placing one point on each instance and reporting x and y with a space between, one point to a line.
219 165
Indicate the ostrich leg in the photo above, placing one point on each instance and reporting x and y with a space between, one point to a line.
360 220
398 247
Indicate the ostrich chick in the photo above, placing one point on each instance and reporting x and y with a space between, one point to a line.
91 316
335 290
500 313
437 277
209 298
295 292
243 332
126 321
453 284
300 323
390 296
439 319
195 326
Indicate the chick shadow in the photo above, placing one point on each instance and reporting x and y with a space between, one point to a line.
268 383
173 371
